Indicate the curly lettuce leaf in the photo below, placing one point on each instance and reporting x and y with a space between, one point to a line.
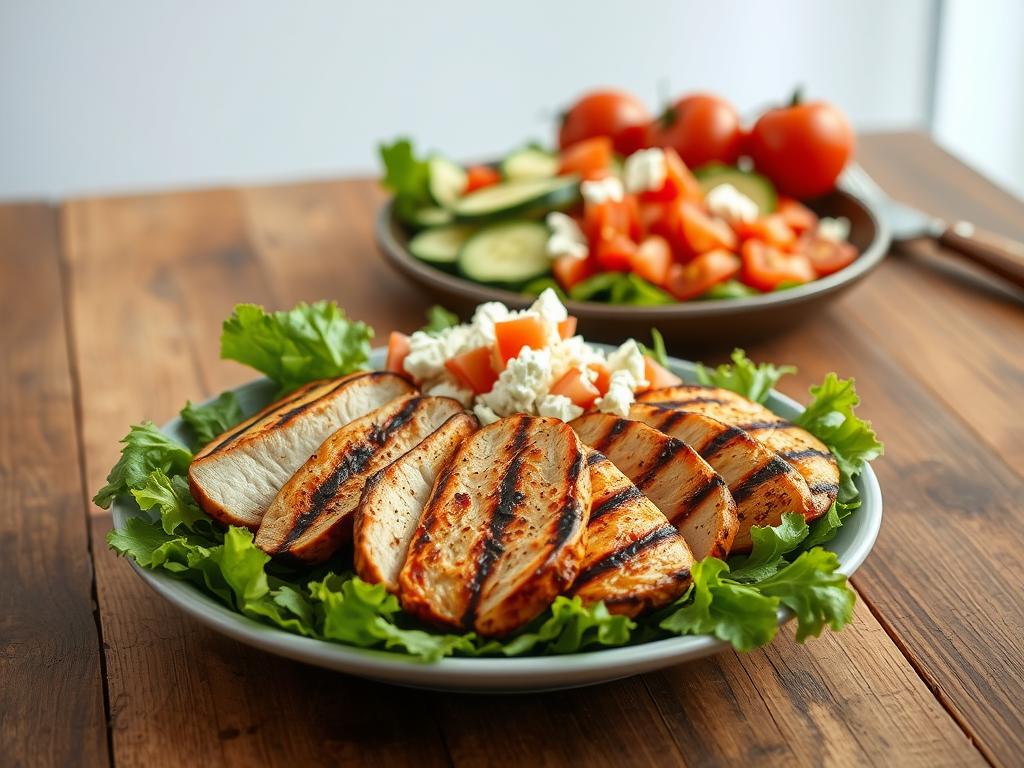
753 381
213 419
305 343
813 589
771 544
171 497
439 319
830 417
824 529
406 176
146 449
568 627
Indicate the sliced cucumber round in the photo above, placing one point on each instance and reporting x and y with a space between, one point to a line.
529 163
447 181
431 216
510 254
517 198
753 185
440 246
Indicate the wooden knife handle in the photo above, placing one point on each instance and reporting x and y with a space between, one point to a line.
999 255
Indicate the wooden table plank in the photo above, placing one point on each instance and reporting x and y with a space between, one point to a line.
51 687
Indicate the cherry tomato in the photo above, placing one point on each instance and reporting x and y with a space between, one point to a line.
615 254
652 259
798 216
702 128
772 229
567 328
603 221
473 369
604 377
398 348
577 386
510 336
802 148
590 158
569 270
659 377
765 267
695 231
480 176
688 281
826 256
615 114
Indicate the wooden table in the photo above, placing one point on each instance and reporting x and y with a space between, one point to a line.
111 313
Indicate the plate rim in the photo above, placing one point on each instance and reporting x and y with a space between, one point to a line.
490 673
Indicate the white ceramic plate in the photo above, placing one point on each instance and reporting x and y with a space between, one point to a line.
852 545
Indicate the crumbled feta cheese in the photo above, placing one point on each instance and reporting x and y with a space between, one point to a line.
836 230
573 352
484 414
619 396
566 239
645 170
558 407
551 312
486 316
526 379
426 357
630 359
602 190
727 202
447 386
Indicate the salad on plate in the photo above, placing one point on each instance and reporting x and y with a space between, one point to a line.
501 487
636 210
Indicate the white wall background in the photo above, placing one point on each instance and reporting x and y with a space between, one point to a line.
114 95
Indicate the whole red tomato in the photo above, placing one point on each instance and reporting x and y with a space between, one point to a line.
616 114
802 148
702 128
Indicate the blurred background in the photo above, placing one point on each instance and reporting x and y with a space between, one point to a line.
112 95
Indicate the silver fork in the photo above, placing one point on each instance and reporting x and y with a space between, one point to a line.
1000 255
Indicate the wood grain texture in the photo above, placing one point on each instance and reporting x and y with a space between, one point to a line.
51 694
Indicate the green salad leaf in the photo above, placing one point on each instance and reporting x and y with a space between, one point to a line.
146 449
538 285
814 590
215 418
620 288
406 176
569 626
170 495
824 529
308 342
831 419
730 289
656 351
751 380
439 319
771 544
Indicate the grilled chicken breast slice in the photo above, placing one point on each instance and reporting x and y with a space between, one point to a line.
802 450
503 532
237 476
635 559
311 516
393 501
681 484
762 484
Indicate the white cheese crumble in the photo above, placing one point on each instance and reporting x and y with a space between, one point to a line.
727 202
602 190
566 238
630 359
619 396
448 387
645 171
835 230
484 414
526 379
558 407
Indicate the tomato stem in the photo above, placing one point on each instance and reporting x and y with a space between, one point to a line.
798 96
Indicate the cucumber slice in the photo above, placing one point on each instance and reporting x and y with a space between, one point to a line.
517 198
753 185
431 216
511 254
440 246
529 163
447 181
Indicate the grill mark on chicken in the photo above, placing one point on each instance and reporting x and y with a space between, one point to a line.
625 496
690 401
430 519
671 417
829 488
286 417
754 426
622 556
570 513
503 513
354 462
237 434
747 485
807 453
720 442
595 457
715 482
609 437
672 447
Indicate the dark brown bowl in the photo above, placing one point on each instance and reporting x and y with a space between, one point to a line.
714 324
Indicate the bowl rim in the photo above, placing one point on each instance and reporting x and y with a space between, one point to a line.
391 244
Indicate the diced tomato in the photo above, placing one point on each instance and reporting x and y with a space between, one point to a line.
590 158
679 182
603 221
569 270
659 377
576 385
695 231
615 254
567 328
652 259
771 229
398 349
826 256
688 281
653 216
473 369
798 216
480 176
604 377
766 267
512 335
